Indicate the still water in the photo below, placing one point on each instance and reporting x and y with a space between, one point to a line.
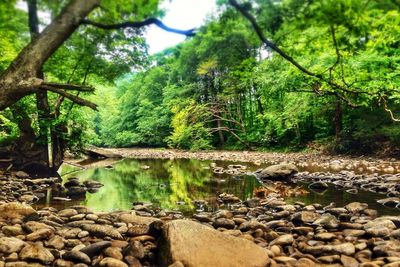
175 184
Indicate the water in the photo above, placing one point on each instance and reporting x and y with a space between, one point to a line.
176 183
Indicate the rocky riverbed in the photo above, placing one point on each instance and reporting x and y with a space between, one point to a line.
261 231
257 232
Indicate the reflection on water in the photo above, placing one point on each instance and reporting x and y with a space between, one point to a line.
341 198
168 184
175 184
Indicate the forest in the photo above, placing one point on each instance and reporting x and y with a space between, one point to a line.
335 88
268 136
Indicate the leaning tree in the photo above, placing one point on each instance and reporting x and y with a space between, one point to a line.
24 77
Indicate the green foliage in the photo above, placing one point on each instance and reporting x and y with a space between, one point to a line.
189 130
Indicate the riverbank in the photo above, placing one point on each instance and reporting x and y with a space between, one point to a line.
309 161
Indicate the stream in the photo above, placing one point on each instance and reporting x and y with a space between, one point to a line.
186 185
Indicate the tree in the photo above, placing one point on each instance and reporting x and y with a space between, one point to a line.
24 75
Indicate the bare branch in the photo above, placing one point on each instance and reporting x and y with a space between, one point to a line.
138 24
385 107
75 99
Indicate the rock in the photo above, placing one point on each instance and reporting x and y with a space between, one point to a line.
356 207
344 248
138 229
111 262
390 202
76 256
76 191
102 230
10 244
21 174
95 248
40 234
135 249
113 252
285 260
67 213
282 240
12 230
224 223
305 216
184 240
63 263
348 261
378 231
56 242
36 252
134 219
327 221
16 210
353 232
318 186
277 172
325 236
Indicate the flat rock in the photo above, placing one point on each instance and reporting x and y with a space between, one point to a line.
277 172
16 210
36 252
102 230
10 244
183 240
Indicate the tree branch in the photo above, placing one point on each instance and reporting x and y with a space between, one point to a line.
74 87
75 99
138 24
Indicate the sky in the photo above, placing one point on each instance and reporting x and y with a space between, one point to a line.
180 14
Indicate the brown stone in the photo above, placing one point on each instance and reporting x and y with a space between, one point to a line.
186 241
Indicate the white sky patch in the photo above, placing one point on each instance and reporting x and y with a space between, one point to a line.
180 14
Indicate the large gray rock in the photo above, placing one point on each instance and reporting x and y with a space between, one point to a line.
278 172
194 244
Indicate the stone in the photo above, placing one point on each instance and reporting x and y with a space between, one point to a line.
327 221
10 244
356 207
40 234
56 242
183 240
36 252
111 262
138 229
353 232
344 248
224 223
305 216
76 256
102 230
318 186
95 248
378 231
135 249
348 261
12 230
282 240
67 213
135 219
324 236
113 252
277 172
63 263
16 210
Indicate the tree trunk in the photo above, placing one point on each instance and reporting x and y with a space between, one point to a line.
21 77
337 120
